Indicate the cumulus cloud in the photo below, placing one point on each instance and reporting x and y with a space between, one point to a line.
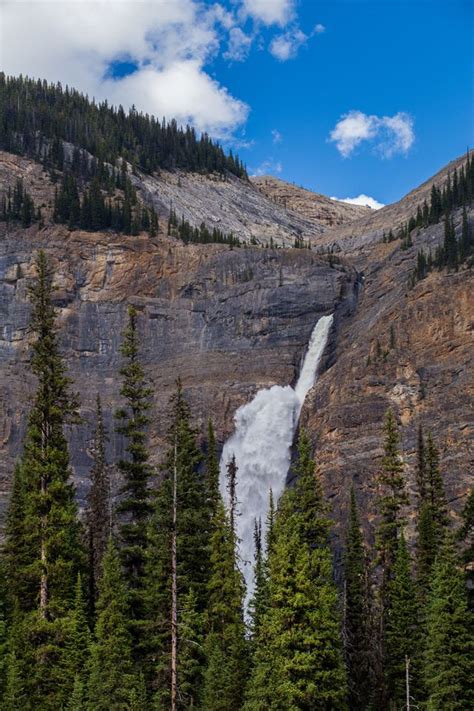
362 199
276 136
239 45
77 42
319 29
268 167
286 46
270 12
388 135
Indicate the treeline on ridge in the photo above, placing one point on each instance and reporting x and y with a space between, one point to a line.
34 114
457 192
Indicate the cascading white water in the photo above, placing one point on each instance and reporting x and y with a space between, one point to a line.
261 443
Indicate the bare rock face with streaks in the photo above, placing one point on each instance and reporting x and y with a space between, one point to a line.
230 322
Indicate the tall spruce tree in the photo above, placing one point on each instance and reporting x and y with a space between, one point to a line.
212 468
43 552
449 654
402 632
432 519
98 505
225 645
78 642
135 505
111 672
466 535
392 498
357 617
178 555
259 601
298 662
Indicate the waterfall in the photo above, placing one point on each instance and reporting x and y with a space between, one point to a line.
261 443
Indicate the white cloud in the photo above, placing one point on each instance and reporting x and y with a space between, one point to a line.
319 29
362 199
76 42
398 134
270 12
286 46
268 167
239 45
389 134
276 136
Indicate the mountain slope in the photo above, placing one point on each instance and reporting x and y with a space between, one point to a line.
311 205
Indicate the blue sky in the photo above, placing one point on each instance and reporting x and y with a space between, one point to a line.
391 81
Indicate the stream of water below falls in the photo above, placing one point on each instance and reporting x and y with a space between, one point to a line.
261 443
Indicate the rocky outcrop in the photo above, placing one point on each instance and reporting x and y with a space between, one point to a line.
312 206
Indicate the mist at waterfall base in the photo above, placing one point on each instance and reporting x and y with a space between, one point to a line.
261 443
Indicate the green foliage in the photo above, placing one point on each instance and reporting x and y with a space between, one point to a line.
432 519
43 550
135 505
298 661
184 231
212 469
402 632
76 651
392 498
466 535
449 666
36 119
18 205
77 700
111 673
357 628
193 530
98 506
225 644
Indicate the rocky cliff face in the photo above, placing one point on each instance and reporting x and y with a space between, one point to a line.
232 321
409 349
228 322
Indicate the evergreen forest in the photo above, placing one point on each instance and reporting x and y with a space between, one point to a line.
138 604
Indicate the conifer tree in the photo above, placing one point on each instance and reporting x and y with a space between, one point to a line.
98 505
392 499
465 242
466 535
111 678
450 247
225 644
449 655
13 697
357 633
402 633
77 699
212 468
135 505
298 662
76 651
259 602
432 519
43 548
232 470
178 554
